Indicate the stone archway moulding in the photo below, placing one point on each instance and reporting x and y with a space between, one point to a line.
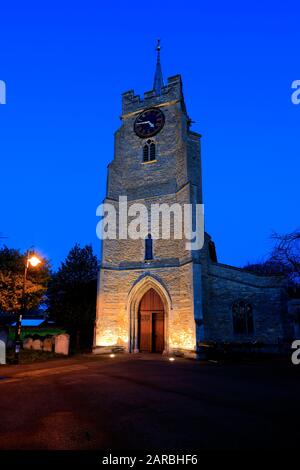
140 287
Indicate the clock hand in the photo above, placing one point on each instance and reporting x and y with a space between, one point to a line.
145 122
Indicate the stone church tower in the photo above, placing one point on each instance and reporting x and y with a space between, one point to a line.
149 302
156 294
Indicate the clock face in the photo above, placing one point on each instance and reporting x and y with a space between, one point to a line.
149 123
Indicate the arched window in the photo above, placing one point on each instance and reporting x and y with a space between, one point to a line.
242 316
148 247
152 151
146 153
149 151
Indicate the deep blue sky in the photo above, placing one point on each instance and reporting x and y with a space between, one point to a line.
66 65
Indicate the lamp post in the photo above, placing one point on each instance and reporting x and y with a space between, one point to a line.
31 260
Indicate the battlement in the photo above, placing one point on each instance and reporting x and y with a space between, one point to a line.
171 92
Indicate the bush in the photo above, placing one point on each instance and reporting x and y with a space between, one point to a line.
29 356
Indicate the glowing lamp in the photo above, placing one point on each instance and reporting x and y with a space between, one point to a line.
34 261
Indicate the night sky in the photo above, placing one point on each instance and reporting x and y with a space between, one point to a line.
66 64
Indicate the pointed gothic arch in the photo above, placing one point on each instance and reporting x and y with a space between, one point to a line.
139 289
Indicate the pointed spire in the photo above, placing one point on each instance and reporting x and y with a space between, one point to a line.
158 77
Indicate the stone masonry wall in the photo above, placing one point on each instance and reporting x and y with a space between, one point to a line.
112 327
266 294
131 251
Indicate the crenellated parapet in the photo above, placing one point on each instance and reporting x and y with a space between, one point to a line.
171 92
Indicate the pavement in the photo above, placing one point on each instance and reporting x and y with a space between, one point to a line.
139 402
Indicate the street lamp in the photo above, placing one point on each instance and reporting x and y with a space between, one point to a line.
34 261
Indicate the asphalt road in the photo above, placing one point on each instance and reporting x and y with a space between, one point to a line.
146 402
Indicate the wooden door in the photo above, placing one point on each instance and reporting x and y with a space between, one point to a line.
145 332
151 323
158 332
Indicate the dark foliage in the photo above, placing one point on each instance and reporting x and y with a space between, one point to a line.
12 264
284 261
72 295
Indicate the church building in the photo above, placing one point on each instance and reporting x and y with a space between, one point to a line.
156 294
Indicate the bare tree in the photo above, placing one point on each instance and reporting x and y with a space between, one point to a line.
283 260
286 253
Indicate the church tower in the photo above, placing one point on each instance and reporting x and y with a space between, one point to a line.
150 293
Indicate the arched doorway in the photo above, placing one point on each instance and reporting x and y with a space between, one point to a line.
151 323
135 295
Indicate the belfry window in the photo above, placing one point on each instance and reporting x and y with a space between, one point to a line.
145 153
152 151
149 151
148 247
242 316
